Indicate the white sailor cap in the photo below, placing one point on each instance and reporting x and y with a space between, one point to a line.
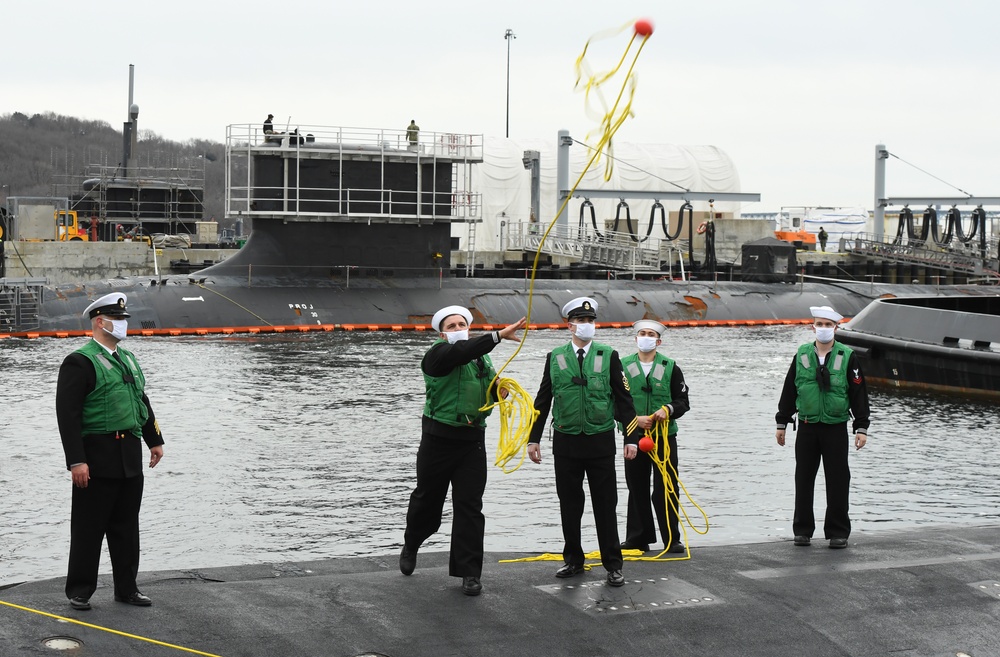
447 312
112 305
649 325
580 307
825 312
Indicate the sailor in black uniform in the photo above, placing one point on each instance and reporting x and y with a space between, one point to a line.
457 376
104 416
590 391
825 387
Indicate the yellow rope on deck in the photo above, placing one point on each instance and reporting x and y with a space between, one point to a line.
108 629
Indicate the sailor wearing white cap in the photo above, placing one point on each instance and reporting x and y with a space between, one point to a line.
103 414
657 386
825 387
457 377
110 304
451 311
585 378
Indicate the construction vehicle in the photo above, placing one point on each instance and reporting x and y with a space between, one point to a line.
68 226
43 219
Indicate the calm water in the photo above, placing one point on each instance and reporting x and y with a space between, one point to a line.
285 448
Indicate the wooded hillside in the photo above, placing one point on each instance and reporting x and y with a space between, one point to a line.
39 152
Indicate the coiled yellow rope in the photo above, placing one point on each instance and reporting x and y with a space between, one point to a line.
517 416
657 433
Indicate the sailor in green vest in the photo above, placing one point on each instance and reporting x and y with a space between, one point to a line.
585 388
825 387
457 376
413 134
104 417
658 389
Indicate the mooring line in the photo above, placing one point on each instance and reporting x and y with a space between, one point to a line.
108 629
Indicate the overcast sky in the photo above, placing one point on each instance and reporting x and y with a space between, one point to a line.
797 93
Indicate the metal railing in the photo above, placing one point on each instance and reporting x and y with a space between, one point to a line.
963 258
611 250
342 146
20 299
453 146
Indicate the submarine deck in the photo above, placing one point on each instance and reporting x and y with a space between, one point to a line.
922 592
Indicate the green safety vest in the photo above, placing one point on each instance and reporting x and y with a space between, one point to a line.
652 392
815 405
113 405
577 408
455 399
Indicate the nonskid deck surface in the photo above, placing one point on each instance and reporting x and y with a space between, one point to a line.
921 592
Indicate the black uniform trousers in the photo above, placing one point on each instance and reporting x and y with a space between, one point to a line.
639 527
601 476
460 463
106 507
829 443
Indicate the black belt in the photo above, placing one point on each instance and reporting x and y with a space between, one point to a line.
117 435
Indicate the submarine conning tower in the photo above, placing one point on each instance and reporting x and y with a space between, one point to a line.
330 202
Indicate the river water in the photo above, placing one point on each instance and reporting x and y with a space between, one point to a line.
291 448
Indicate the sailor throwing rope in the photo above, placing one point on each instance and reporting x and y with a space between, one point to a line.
458 375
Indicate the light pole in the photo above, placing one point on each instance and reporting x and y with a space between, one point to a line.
508 37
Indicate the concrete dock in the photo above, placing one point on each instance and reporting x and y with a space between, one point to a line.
919 593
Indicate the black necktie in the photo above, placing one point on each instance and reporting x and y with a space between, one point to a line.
127 375
579 357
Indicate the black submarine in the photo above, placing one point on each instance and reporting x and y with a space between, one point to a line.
352 229
949 345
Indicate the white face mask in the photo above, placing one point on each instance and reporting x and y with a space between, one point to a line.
456 336
119 328
646 343
825 335
586 331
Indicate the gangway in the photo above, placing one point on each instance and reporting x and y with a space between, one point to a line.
961 259
610 250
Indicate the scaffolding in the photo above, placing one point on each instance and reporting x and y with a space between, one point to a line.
20 299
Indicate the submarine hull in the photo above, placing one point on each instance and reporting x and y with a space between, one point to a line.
204 302
942 344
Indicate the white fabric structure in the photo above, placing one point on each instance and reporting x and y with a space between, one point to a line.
838 223
505 184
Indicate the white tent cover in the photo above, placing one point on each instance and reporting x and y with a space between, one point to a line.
506 194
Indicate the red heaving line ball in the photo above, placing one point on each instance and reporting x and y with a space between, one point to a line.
644 27
646 444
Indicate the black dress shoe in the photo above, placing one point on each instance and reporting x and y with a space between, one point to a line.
80 603
628 545
569 570
407 561
137 599
838 543
677 548
801 541
615 578
471 586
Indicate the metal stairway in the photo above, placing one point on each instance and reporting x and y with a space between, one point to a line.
964 259
610 251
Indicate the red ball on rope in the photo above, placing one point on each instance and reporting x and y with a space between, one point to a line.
646 444
644 27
